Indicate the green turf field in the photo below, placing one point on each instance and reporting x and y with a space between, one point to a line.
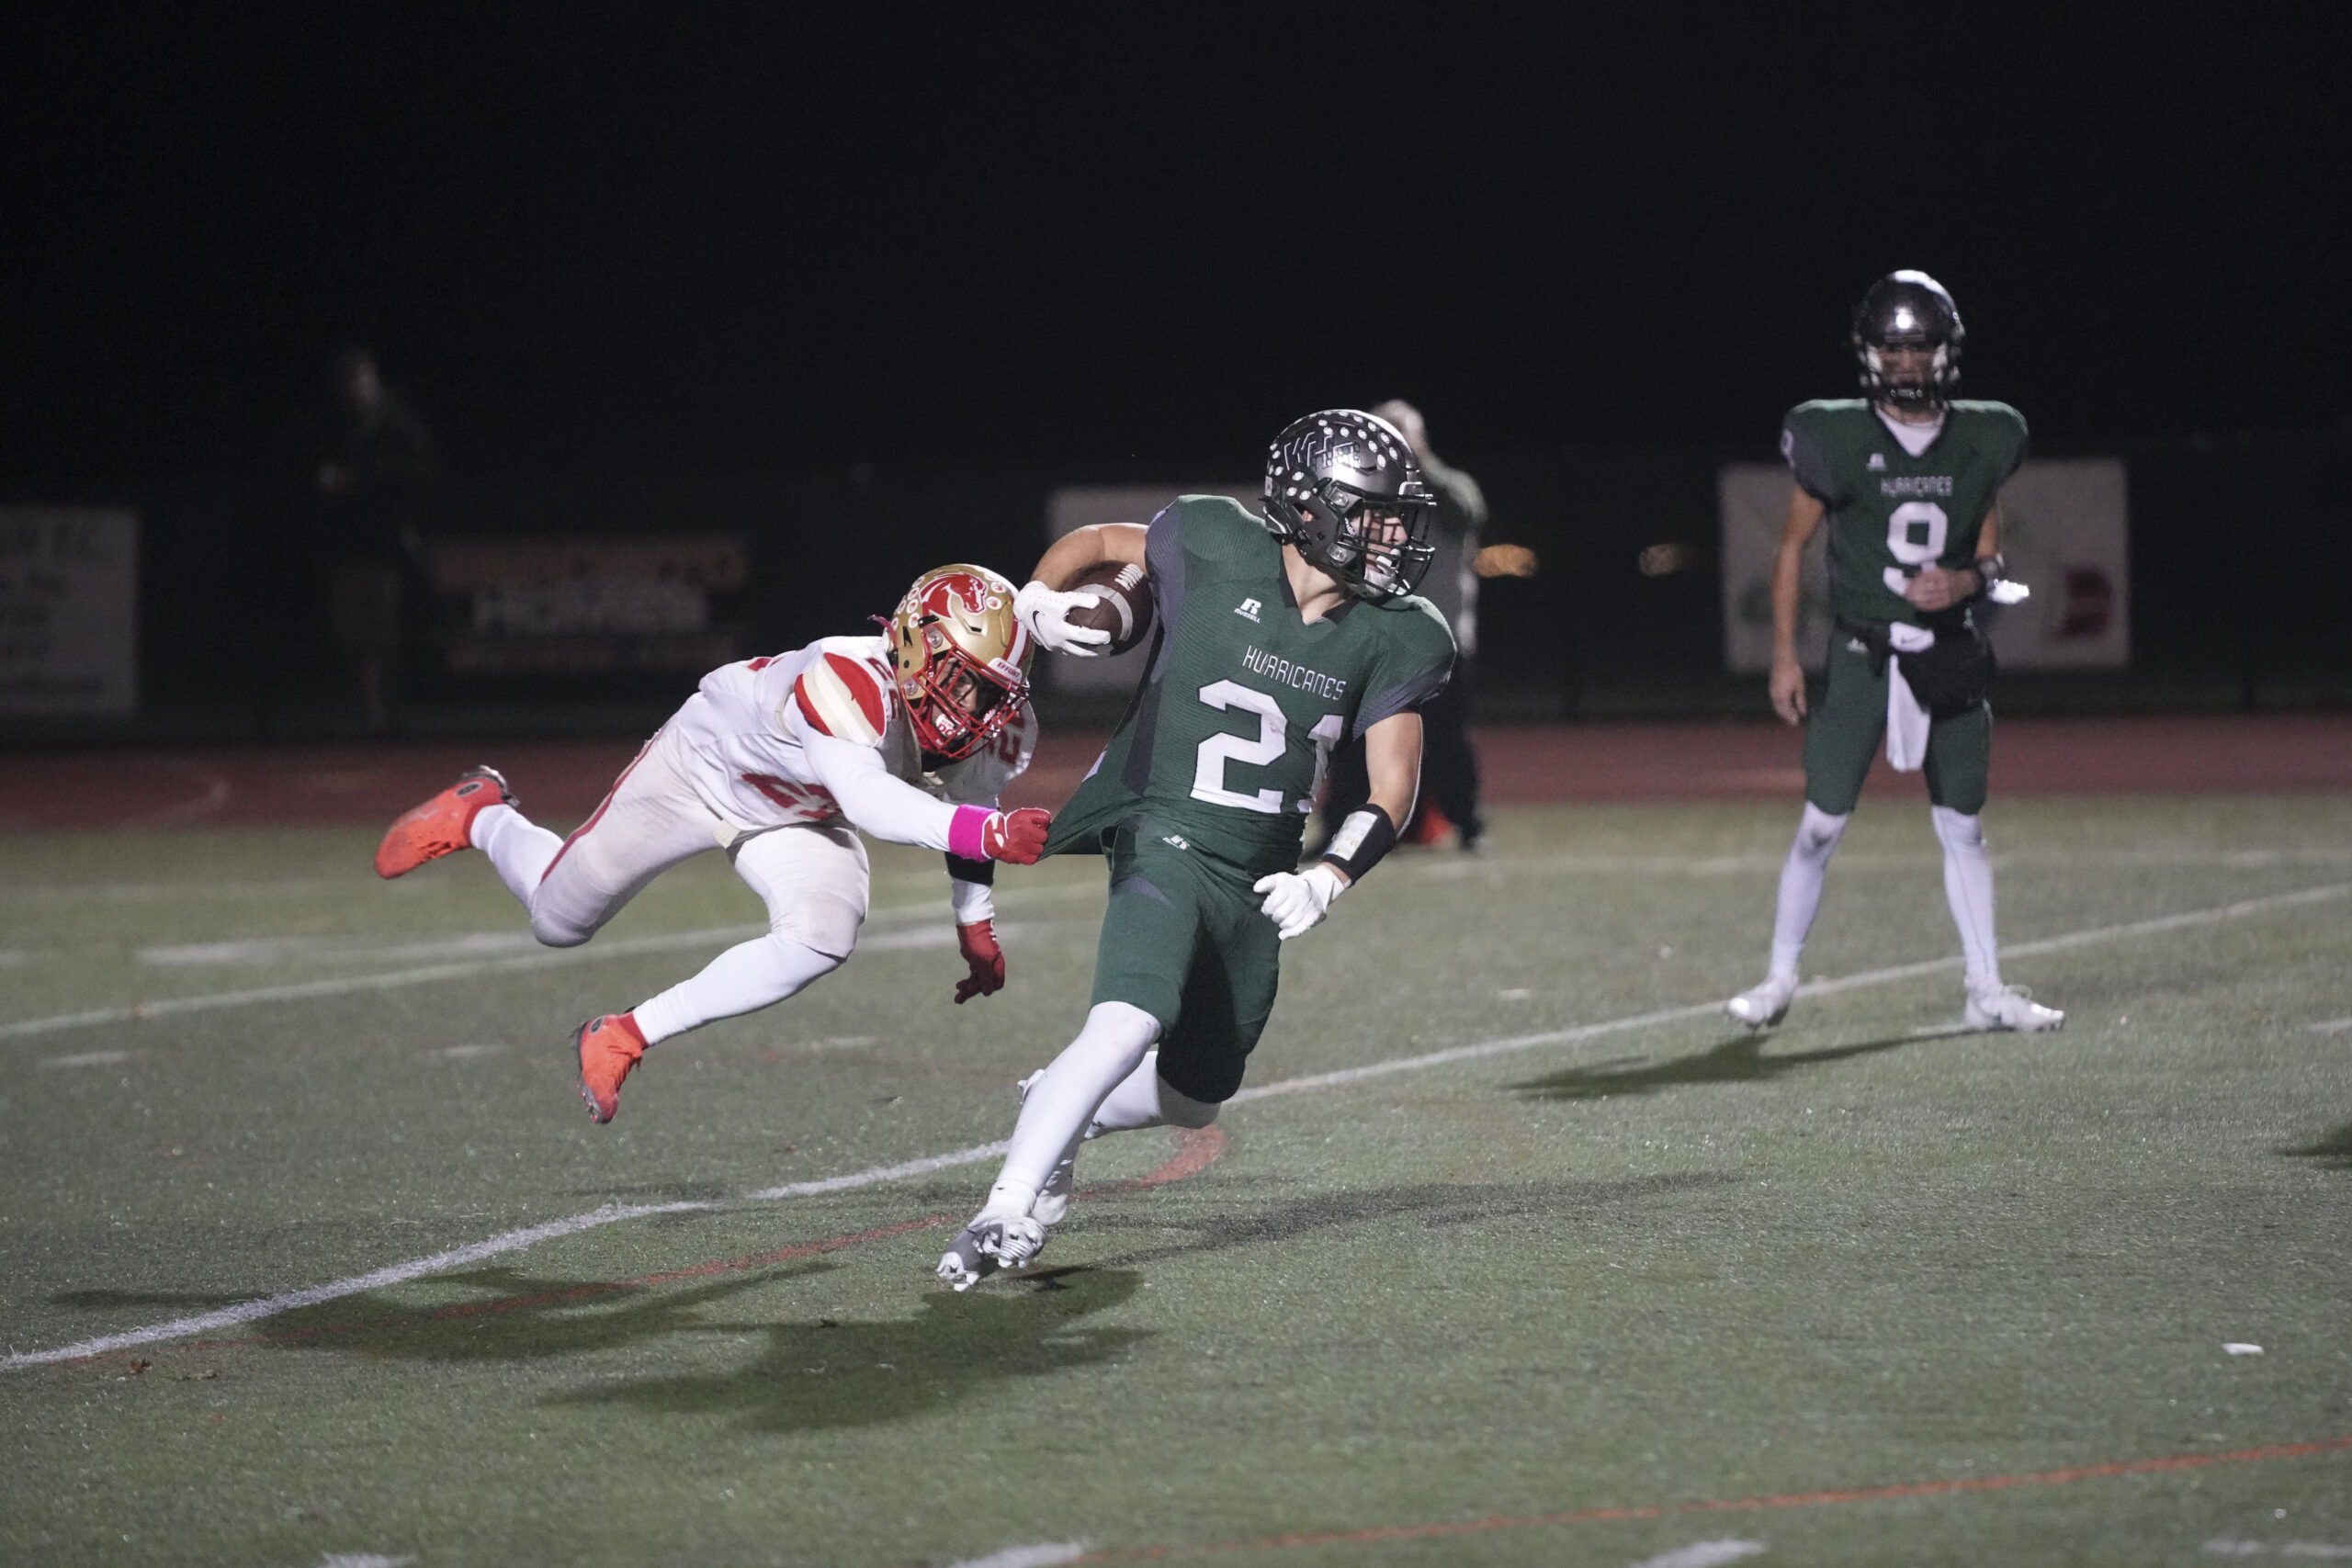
1864 1292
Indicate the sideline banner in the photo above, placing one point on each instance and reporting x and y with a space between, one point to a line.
546 606
2065 529
69 610
1080 507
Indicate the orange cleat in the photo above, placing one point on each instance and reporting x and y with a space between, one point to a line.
443 825
608 1048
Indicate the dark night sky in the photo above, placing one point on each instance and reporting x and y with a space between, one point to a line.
580 242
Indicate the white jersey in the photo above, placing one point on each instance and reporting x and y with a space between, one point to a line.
768 742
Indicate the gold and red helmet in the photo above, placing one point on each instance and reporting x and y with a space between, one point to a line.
960 659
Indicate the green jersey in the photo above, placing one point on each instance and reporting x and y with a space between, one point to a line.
1228 736
1890 514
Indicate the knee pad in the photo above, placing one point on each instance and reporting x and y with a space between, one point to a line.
801 961
1180 1110
1119 1026
552 931
1957 829
822 925
1818 832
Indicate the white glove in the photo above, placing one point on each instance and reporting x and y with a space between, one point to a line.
1045 612
1297 900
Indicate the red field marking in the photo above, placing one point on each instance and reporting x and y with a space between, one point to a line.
562 780
1727 1505
1196 1150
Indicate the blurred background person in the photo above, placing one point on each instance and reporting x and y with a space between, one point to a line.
373 470
1449 766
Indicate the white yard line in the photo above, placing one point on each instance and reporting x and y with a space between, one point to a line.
612 1214
1044 1555
917 938
397 1273
347 985
1704 1554
1868 977
254 951
457 1258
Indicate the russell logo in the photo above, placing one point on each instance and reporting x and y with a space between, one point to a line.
1877 462
1246 609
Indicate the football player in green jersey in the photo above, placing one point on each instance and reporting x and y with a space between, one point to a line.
1280 636
1907 479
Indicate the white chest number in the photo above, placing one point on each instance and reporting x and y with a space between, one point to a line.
1917 532
1266 746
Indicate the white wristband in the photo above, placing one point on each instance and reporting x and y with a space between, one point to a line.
972 901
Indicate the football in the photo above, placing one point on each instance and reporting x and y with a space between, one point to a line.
1124 608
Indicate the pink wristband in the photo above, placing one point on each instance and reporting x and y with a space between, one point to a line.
967 837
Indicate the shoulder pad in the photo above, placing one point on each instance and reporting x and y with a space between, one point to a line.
1216 525
1429 623
1998 414
1817 409
843 697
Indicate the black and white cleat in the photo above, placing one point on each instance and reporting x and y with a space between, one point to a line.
987 1246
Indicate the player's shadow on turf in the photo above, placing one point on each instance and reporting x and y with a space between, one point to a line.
2333 1149
813 1376
143 1299
517 1316
803 1375
1737 1060
1427 1208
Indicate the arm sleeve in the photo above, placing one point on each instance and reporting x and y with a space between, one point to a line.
872 798
1808 465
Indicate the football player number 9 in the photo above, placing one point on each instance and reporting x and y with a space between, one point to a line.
1273 731
1924 516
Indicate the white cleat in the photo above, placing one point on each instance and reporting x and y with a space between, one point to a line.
988 1245
2010 1006
1764 1005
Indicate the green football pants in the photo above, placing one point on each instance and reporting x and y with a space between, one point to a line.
1183 940
1843 734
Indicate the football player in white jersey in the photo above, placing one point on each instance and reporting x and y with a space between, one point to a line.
909 737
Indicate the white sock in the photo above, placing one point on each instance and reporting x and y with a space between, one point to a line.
1063 1103
745 978
1968 887
1802 875
518 847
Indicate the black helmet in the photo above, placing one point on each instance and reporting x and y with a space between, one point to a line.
1908 309
1328 476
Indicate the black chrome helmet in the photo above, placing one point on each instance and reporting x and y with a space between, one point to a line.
1908 309
1344 488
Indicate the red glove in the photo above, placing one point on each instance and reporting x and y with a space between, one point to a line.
1016 836
986 959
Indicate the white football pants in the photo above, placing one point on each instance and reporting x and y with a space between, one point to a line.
812 877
